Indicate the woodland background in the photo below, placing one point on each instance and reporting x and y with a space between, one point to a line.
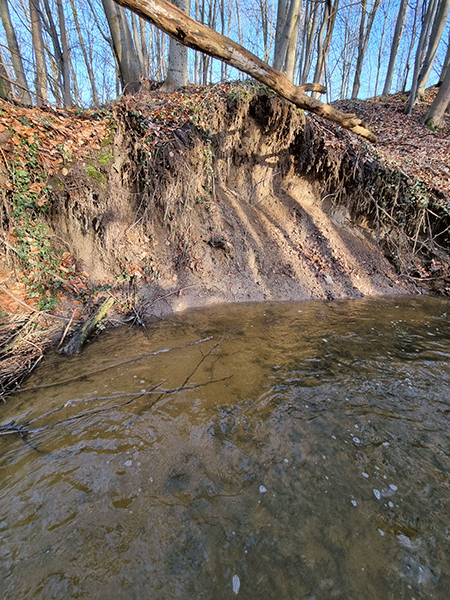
87 52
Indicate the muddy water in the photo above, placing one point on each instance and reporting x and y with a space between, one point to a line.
302 452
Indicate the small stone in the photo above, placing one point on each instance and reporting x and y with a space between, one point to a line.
236 583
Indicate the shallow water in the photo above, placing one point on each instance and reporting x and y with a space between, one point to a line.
302 452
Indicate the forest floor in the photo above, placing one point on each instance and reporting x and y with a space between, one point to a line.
206 195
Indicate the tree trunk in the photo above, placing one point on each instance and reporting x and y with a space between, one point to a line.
292 50
39 53
177 74
395 44
290 21
435 117
435 37
420 52
310 28
324 46
87 61
364 34
123 48
65 55
16 58
5 85
199 37
58 59
446 65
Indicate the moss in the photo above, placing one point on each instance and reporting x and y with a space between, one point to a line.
93 173
104 158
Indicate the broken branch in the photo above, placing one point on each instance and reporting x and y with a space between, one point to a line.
189 32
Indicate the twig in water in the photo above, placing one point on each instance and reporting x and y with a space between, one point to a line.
116 364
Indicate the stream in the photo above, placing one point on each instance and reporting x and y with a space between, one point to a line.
264 451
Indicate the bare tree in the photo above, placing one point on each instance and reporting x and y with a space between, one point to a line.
365 28
286 31
323 45
435 37
13 47
435 117
420 52
65 54
87 60
178 25
177 75
127 59
40 83
400 24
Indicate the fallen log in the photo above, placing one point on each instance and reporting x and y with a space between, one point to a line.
189 32
75 343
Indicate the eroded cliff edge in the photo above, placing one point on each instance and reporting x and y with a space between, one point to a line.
251 200
208 195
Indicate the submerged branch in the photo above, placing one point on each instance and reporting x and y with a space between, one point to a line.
116 364
23 429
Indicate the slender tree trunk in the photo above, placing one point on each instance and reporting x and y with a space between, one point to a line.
410 48
446 65
308 43
364 34
281 19
143 44
123 47
292 50
177 24
16 58
65 55
5 85
435 37
39 52
420 53
137 44
435 117
400 24
58 60
380 51
87 62
324 47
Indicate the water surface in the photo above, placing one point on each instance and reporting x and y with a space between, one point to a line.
300 451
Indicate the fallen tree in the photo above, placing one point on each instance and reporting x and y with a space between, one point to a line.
189 32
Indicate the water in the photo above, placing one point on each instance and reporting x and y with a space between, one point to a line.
311 461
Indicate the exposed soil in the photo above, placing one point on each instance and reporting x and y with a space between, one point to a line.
228 194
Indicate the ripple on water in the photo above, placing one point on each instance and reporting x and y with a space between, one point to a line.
311 460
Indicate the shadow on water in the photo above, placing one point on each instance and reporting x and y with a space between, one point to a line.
311 461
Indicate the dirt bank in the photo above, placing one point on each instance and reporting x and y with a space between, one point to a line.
225 194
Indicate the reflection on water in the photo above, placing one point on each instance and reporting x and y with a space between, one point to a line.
311 462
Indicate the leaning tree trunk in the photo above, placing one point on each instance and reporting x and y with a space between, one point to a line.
13 46
435 117
420 53
174 22
435 37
